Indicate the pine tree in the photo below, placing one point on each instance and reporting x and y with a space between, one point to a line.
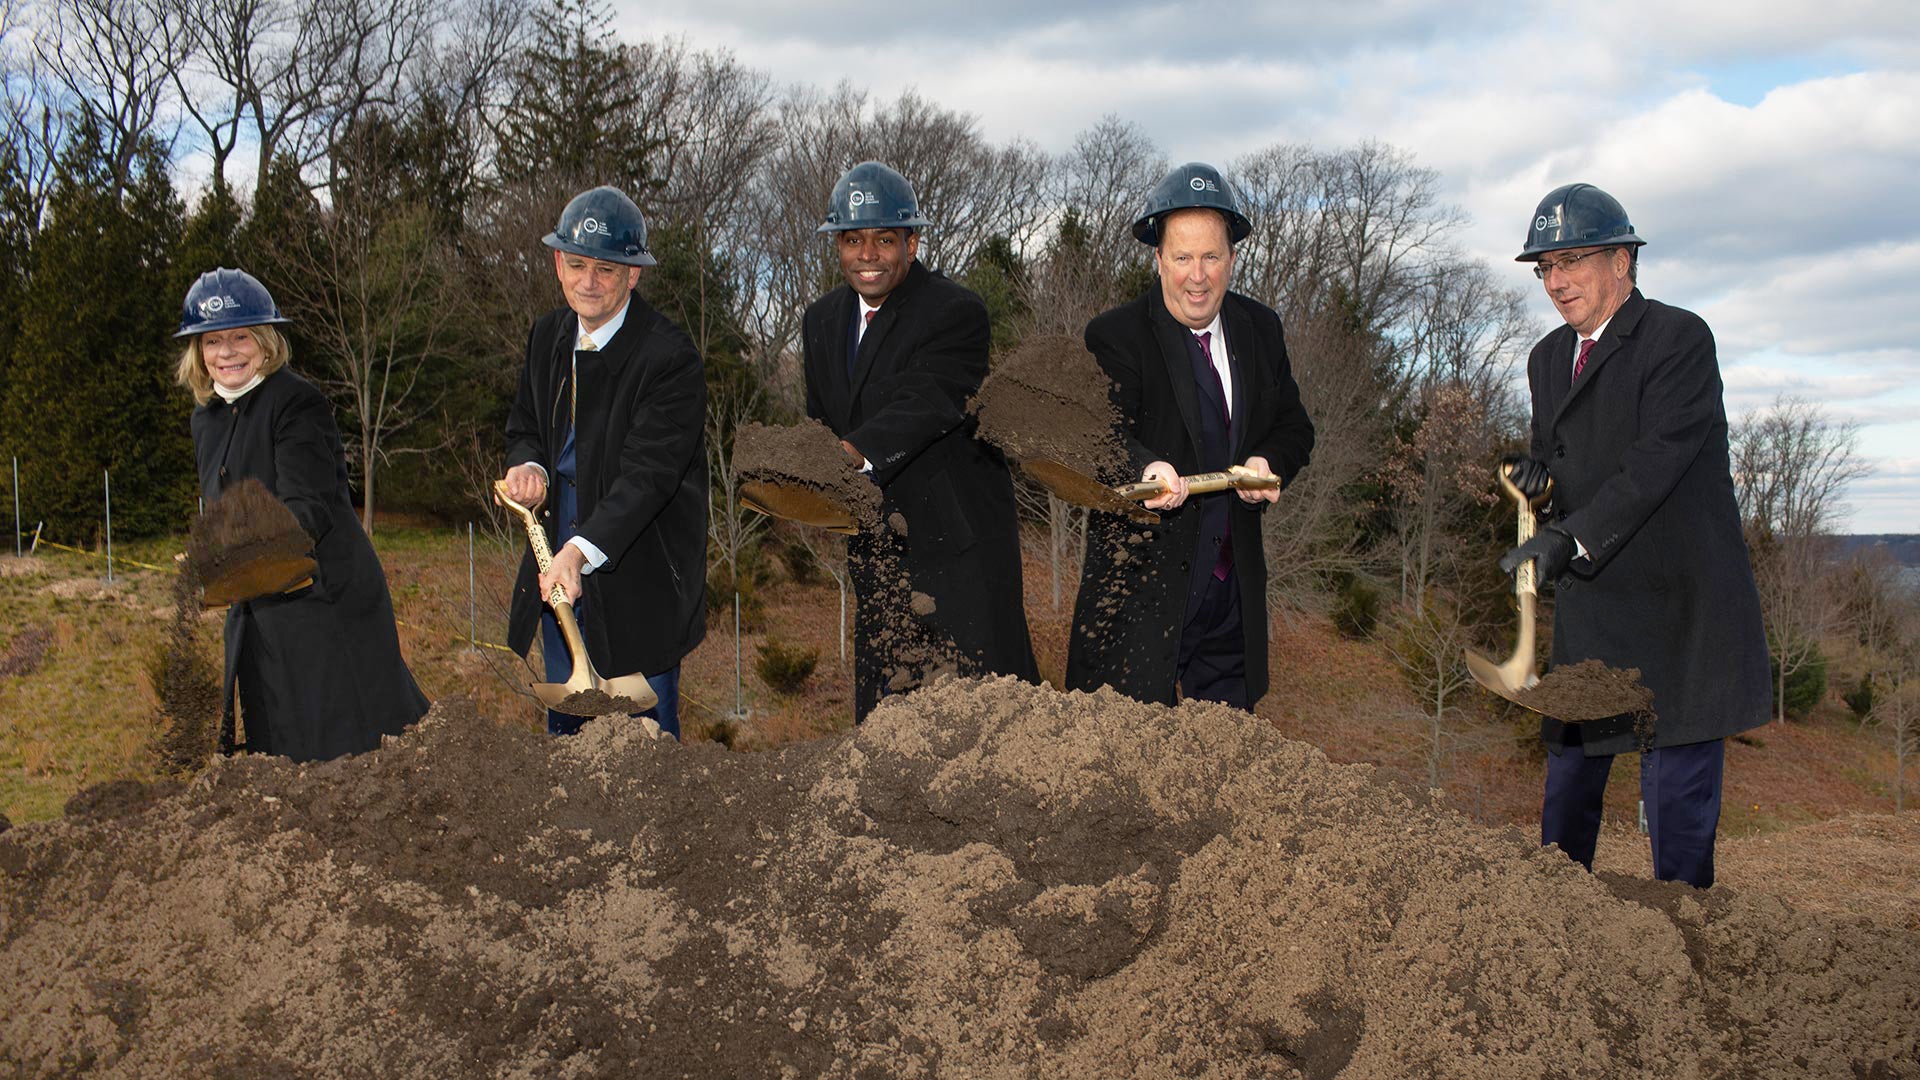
91 382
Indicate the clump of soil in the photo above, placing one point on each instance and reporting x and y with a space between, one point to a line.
806 455
1589 690
923 605
246 544
26 650
986 879
1047 400
594 701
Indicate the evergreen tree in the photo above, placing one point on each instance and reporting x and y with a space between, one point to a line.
578 108
91 386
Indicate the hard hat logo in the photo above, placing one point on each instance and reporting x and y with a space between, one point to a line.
1201 183
857 199
1545 222
214 305
590 226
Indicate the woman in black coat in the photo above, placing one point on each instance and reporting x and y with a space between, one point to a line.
318 669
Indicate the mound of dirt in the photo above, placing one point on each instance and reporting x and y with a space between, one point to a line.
986 879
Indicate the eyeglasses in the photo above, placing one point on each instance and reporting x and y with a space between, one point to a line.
1542 268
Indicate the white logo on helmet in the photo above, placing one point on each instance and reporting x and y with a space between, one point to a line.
590 226
860 198
1201 183
214 305
1546 221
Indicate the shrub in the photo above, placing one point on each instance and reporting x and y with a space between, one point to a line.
1356 607
784 667
1860 698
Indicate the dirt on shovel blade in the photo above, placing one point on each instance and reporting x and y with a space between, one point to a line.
245 525
987 879
807 455
1047 400
1588 690
596 702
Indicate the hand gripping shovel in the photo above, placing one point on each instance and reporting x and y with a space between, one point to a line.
1073 486
1519 672
566 697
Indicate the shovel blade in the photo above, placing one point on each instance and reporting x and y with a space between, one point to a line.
1506 680
1075 487
795 502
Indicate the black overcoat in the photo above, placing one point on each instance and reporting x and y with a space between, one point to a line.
905 407
319 670
1638 452
641 477
1133 587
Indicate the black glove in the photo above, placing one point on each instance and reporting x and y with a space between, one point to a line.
1551 548
1528 474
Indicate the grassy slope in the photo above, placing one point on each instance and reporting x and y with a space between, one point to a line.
85 715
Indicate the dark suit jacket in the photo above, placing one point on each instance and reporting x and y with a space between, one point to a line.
1133 587
1638 452
319 670
641 468
905 407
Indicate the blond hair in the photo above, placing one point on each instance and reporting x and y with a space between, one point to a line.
192 370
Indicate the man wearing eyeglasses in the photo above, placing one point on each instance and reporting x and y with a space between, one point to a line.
1643 539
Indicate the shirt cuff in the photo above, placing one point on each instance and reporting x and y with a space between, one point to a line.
537 465
595 557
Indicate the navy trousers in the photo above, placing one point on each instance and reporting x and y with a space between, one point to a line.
1212 664
553 647
1681 786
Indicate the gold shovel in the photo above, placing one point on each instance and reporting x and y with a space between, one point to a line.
1520 671
1073 486
797 502
559 697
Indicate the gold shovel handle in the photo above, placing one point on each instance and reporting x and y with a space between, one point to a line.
1201 484
536 538
1525 582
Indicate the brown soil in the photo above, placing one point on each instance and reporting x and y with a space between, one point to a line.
596 702
1590 690
244 530
1047 400
25 650
808 455
986 879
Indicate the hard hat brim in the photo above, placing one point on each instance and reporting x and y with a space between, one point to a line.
230 324
643 258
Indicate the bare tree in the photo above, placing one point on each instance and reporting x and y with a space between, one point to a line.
114 61
1791 467
1884 610
1425 640
1433 479
32 123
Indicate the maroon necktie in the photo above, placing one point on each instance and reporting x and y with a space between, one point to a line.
1223 562
1580 362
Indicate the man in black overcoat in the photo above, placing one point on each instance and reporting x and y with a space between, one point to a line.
892 357
1643 543
607 436
1202 383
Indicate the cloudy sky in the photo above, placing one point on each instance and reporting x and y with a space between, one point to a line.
1769 153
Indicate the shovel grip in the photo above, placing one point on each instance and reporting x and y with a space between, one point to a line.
1201 484
536 539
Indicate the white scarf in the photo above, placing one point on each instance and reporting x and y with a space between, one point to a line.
231 396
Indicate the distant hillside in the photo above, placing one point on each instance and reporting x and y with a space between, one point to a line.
1904 547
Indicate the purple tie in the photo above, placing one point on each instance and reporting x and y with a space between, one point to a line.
1223 563
1580 362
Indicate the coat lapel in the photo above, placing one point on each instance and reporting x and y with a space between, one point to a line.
1172 337
1611 342
1239 328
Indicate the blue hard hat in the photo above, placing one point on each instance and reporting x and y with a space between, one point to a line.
222 299
602 224
872 196
1577 215
1191 186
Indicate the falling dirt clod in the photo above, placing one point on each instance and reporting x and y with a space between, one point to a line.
806 456
247 544
1047 401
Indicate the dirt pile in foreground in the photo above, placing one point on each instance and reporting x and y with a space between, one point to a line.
987 879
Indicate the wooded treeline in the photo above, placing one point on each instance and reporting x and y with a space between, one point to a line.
387 168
